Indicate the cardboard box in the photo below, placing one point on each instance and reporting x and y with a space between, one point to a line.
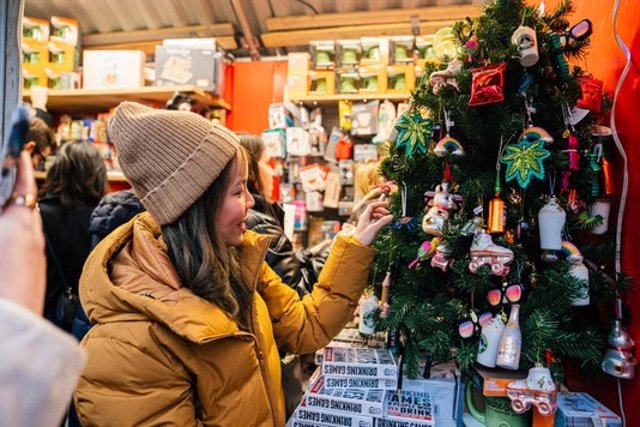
322 82
447 395
62 56
35 56
375 51
30 80
582 410
297 72
352 401
405 406
35 30
64 30
318 417
401 49
359 363
323 54
111 69
401 78
185 66
494 382
373 79
348 53
348 81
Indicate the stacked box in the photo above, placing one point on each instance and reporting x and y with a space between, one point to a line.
177 65
582 410
404 408
297 72
359 363
113 69
63 45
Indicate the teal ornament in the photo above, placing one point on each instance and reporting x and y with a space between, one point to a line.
414 133
525 160
595 169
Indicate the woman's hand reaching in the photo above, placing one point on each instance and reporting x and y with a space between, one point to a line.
371 221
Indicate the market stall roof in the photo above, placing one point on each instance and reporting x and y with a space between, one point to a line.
241 26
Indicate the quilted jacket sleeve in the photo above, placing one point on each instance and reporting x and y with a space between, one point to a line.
303 326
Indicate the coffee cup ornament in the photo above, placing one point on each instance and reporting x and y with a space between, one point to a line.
527 42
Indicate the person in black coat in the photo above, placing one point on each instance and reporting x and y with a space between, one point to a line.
73 186
298 269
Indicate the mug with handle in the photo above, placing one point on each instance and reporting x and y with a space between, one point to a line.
497 413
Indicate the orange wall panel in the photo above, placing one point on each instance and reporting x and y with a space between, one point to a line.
255 85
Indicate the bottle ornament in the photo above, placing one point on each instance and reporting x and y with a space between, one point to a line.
551 220
579 271
484 252
368 306
497 215
538 390
489 342
510 344
527 42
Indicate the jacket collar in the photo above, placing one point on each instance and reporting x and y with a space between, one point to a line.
129 277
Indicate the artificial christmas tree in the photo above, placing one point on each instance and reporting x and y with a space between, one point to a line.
522 171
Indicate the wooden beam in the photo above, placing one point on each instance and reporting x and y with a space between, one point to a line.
149 47
327 20
303 37
117 37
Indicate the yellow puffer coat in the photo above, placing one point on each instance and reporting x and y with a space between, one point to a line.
159 355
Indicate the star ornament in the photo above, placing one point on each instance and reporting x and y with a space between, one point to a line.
414 133
524 161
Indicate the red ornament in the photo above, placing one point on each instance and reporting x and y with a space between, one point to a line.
591 98
487 84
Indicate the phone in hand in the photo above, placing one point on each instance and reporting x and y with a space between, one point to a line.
11 148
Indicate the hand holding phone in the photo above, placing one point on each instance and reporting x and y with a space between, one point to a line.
15 140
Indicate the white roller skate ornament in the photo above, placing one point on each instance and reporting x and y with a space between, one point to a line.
538 389
485 252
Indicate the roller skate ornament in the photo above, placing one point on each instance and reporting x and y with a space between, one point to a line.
442 258
485 252
443 201
538 390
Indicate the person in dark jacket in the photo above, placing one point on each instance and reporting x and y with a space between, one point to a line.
298 269
73 186
113 210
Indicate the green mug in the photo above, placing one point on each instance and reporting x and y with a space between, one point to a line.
497 412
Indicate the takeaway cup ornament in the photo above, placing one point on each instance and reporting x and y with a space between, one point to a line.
527 42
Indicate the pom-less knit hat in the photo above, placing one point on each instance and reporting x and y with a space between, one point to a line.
170 158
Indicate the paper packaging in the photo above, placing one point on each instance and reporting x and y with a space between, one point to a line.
304 416
35 30
446 393
582 410
62 56
494 382
113 69
331 382
351 401
187 66
64 30
297 71
359 363
413 407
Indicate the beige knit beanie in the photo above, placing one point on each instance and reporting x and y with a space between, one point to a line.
170 158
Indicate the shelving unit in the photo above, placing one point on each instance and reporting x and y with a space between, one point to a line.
81 100
333 99
112 176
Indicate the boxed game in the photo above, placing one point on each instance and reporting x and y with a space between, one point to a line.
306 417
413 407
343 400
582 410
359 363
331 382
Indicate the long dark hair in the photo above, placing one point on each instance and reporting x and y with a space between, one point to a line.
78 175
254 147
204 263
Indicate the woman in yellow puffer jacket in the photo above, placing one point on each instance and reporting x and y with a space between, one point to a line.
188 316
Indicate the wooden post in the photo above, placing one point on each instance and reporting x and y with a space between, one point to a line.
10 74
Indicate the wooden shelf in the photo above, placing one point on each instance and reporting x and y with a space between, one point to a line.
112 176
81 100
333 99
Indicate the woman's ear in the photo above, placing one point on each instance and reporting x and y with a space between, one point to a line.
29 147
